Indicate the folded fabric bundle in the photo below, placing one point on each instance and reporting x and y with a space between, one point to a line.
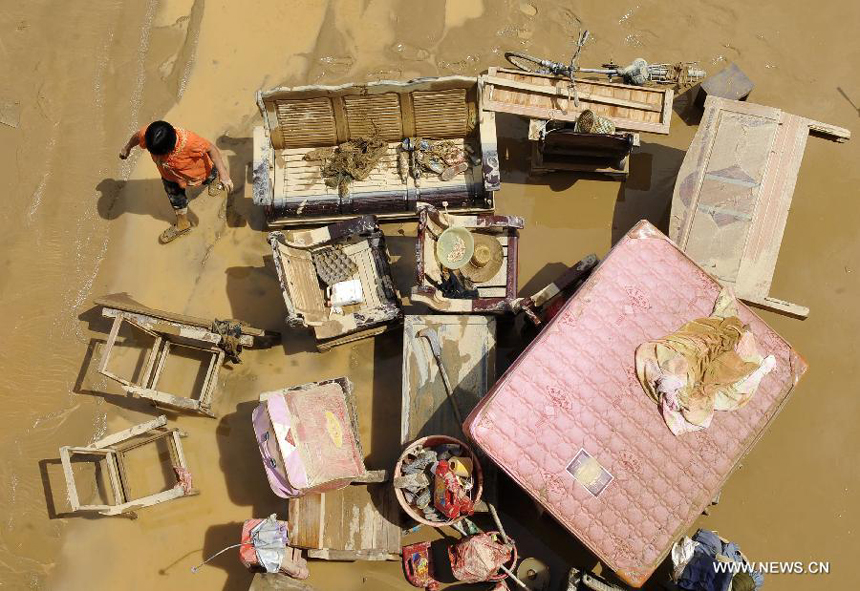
708 364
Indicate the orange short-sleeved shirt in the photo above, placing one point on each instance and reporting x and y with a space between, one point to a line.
189 162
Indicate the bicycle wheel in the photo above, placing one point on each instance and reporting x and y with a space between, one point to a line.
526 63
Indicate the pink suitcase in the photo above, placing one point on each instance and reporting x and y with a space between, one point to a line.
573 395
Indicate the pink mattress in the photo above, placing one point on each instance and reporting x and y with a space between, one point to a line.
573 394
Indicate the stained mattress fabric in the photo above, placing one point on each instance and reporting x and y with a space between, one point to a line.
570 423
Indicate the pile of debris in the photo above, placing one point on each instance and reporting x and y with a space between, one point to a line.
438 482
419 157
349 161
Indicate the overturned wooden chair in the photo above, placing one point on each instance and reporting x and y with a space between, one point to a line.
109 455
171 333
345 251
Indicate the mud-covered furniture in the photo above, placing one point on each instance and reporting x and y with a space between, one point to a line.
729 83
496 294
544 96
447 291
298 120
359 240
359 522
108 454
557 147
171 335
309 440
734 190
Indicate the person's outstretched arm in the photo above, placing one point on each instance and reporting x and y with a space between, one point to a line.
218 161
133 141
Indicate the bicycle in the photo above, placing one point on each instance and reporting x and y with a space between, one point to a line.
639 73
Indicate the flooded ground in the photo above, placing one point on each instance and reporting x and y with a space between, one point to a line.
79 223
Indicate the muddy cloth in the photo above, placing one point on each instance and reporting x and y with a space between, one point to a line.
176 193
701 573
453 287
231 332
184 479
478 558
352 160
708 364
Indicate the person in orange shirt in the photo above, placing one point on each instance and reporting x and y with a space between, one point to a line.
184 159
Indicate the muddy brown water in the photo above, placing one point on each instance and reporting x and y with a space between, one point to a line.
78 223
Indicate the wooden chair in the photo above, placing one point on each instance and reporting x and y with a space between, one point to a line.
112 451
170 332
361 240
496 295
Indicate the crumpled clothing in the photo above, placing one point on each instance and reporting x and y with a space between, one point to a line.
708 364
184 478
682 554
700 572
478 558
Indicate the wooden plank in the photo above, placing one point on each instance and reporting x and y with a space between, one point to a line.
122 301
164 327
151 359
468 352
163 398
761 250
121 491
839 134
331 524
71 488
131 432
305 522
111 342
564 93
147 501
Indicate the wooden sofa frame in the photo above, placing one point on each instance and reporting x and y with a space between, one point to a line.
300 119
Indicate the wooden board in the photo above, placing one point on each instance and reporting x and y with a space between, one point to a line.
734 190
277 582
469 355
541 96
359 522
122 301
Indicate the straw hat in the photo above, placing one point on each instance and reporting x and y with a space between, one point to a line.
486 260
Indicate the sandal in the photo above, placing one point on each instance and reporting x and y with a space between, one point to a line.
172 233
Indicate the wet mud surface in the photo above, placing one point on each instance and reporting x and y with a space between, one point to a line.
79 223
